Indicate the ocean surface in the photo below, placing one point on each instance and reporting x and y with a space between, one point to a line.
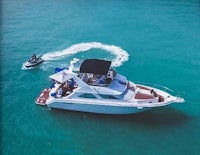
151 41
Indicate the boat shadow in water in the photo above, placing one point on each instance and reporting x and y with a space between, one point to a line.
167 116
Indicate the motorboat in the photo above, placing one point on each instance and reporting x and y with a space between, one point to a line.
33 62
97 88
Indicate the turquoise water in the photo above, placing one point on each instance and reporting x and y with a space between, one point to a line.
162 41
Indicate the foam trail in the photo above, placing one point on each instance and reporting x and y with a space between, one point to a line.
121 55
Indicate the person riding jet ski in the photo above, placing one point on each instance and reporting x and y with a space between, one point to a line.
33 61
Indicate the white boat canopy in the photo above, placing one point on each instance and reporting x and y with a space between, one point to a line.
61 76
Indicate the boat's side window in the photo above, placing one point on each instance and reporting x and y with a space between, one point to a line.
108 96
87 95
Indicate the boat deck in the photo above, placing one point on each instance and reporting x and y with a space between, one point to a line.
139 95
150 95
42 98
143 96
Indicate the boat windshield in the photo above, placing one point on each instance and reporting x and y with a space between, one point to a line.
97 79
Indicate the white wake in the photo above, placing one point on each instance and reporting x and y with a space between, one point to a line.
121 55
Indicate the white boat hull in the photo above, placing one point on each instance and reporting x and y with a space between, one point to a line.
102 109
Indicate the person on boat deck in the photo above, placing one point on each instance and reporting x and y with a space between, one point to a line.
65 87
60 90
71 84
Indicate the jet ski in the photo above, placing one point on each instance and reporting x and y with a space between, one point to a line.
33 62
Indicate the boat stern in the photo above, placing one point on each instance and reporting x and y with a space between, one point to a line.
43 96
